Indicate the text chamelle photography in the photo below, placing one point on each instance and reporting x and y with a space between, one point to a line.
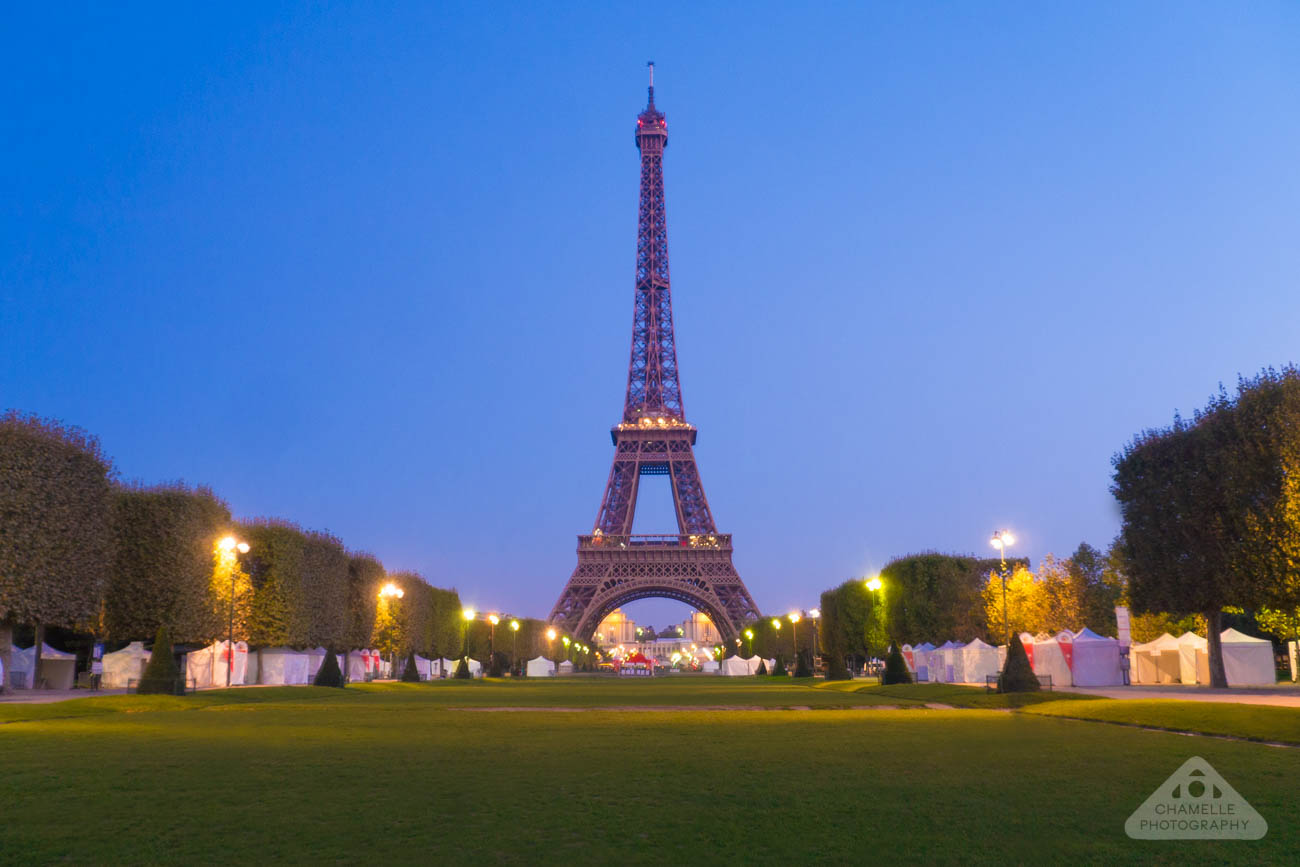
938 502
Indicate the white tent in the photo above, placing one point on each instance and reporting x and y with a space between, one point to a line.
1049 658
566 667
540 667
424 667
770 663
123 666
944 662
1293 654
1247 661
207 666
734 666
1193 658
444 667
709 665
909 658
1156 661
58 669
1096 660
921 656
979 660
281 665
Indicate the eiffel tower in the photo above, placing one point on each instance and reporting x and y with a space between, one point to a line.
694 565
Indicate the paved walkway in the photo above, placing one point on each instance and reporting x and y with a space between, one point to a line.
46 696
1282 695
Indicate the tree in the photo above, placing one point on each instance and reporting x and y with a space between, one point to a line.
1098 588
56 538
410 671
931 596
167 569
278 614
1017 674
803 664
329 673
462 669
896 667
779 670
325 589
1022 604
1211 507
161 674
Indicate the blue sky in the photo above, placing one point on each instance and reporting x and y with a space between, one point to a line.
370 268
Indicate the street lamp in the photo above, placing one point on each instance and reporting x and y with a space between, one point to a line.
391 591
794 635
550 643
492 640
468 614
749 638
1001 539
514 645
874 584
815 613
229 545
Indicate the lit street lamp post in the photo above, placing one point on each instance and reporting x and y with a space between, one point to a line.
514 646
468 615
1001 539
392 591
874 586
550 644
814 614
492 641
776 624
794 636
749 640
229 546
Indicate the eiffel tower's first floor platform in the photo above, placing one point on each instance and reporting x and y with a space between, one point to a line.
615 570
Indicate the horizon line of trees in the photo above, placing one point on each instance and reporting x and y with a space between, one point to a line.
84 552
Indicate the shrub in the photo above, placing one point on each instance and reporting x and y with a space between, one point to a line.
1017 674
462 669
803 664
836 669
410 673
161 675
778 670
896 667
497 664
329 673
762 668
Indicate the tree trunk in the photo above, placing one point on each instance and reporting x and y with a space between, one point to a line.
6 654
37 646
1213 626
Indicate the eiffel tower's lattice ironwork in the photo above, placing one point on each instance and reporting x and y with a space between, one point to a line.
694 565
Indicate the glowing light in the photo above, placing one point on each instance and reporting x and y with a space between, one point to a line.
794 616
242 547
227 544
468 614
776 623
874 584
815 613
391 590
749 633
1002 539
550 635
514 625
493 619
565 639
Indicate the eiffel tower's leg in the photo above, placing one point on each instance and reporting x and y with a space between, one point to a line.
693 515
618 507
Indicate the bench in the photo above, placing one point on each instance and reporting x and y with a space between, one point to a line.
991 682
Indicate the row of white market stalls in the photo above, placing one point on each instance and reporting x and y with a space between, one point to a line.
1247 661
1081 658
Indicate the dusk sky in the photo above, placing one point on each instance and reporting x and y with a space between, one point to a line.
370 268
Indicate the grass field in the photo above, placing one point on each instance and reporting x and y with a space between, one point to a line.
399 773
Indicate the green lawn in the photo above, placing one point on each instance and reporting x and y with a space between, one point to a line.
1258 722
396 774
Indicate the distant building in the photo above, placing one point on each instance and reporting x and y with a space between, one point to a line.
617 628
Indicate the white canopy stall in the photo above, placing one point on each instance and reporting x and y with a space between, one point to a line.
1096 660
1193 658
1156 661
1247 661
125 665
207 666
282 665
945 662
539 667
58 669
979 660
1049 658
921 659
